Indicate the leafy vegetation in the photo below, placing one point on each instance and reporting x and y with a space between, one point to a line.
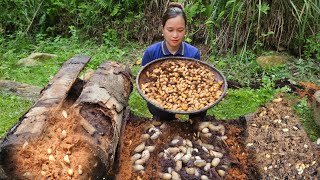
303 110
12 108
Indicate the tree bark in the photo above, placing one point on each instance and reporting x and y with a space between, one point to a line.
33 122
96 117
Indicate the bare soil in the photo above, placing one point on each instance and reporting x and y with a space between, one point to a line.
270 144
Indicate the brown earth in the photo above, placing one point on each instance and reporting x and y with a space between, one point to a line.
270 144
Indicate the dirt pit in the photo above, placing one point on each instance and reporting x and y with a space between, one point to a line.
271 144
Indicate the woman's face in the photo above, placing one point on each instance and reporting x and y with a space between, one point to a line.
174 31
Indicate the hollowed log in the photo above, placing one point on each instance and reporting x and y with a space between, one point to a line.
59 140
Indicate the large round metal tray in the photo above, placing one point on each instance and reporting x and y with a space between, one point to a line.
142 78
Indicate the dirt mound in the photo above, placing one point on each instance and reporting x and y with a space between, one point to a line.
218 155
270 144
282 148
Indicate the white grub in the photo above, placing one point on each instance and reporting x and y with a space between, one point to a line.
249 144
166 176
25 144
178 156
190 171
150 148
205 130
204 177
206 135
207 167
140 162
166 154
173 150
195 150
189 143
178 165
66 159
174 142
208 146
51 158
70 172
64 114
203 125
184 142
200 163
154 130
223 138
186 158
63 134
175 176
196 173
160 155
28 174
148 127
221 173
189 150
145 154
215 162
183 149
145 137
49 150
216 154
80 171
135 157
140 147
221 129
155 135
138 167
163 126
285 130
205 149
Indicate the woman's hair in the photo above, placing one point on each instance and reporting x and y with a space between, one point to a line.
173 10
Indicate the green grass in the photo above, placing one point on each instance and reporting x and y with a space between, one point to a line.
305 113
14 50
240 102
11 108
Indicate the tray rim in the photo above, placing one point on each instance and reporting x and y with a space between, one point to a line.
225 85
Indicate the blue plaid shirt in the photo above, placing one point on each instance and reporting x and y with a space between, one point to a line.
160 50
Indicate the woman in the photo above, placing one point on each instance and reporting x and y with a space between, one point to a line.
174 23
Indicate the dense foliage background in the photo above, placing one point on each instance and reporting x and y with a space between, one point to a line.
235 25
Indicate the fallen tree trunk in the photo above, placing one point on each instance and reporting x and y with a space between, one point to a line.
33 122
103 110
60 141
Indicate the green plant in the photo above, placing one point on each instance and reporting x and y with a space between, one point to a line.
312 47
305 113
241 102
11 108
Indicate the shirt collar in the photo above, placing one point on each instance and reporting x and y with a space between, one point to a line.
166 52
